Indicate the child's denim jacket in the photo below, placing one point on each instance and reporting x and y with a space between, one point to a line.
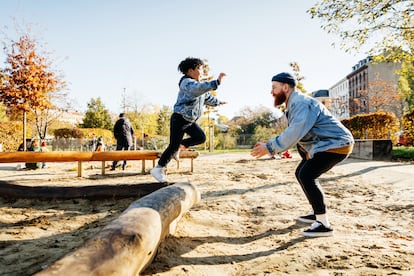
192 97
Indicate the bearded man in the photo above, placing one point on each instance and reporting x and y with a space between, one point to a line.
322 142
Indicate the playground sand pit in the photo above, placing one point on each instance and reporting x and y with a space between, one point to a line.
245 223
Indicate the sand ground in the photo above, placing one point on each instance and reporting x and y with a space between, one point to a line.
245 223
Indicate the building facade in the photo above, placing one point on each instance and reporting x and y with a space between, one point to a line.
322 95
339 97
368 88
362 90
73 118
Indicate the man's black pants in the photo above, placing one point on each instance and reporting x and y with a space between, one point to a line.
309 170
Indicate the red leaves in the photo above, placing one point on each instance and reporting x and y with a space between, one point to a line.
27 83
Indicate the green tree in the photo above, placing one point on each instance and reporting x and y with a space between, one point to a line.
97 116
144 122
406 85
408 125
163 121
262 133
383 26
259 116
144 119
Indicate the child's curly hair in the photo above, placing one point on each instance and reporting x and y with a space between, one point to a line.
189 63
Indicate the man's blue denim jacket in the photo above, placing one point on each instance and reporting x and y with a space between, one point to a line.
311 126
192 97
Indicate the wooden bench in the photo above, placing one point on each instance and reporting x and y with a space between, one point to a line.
81 156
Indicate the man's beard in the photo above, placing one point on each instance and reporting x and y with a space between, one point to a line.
279 99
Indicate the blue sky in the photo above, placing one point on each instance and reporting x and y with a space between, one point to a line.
104 46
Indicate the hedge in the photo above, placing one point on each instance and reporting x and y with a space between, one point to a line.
377 125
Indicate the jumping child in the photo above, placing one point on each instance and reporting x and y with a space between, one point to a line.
193 94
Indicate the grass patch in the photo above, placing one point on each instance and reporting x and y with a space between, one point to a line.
403 153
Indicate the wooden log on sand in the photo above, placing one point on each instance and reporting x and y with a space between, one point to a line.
13 190
129 243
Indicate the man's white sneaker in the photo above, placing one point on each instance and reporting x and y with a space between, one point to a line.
317 229
159 174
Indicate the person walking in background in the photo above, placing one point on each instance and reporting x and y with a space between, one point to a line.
322 142
43 148
193 94
123 132
34 146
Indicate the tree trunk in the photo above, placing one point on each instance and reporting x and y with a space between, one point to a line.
128 244
24 131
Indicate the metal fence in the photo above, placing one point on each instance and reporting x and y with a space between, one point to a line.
73 144
151 143
77 144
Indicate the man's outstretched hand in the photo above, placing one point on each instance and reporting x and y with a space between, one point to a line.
259 150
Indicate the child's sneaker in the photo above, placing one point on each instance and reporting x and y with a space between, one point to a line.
311 218
317 229
159 174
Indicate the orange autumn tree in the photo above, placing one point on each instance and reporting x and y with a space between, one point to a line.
208 110
28 83
381 96
297 74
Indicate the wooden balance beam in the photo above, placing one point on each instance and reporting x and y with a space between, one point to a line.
128 244
82 156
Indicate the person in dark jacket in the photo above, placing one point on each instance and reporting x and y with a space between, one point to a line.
123 132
